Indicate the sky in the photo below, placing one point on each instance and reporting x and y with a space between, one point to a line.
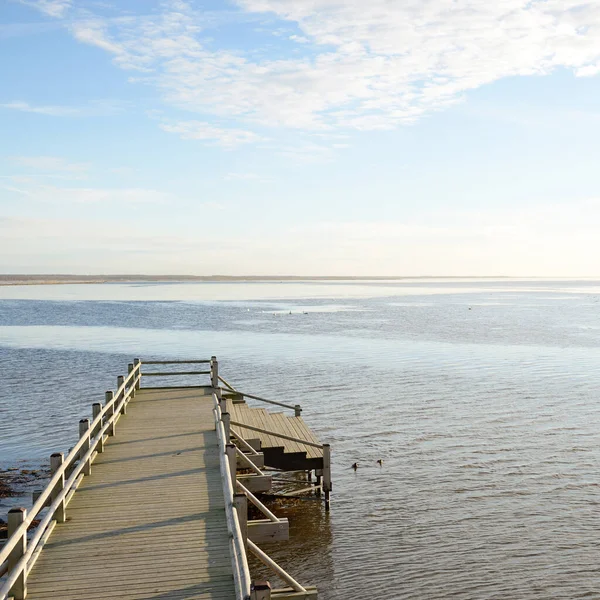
300 137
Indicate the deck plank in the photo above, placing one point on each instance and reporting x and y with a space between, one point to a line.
149 522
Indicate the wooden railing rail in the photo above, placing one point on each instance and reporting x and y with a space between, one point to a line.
239 560
277 434
246 446
296 407
59 492
224 381
267 560
177 362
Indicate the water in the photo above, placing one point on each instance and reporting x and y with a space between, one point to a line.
481 397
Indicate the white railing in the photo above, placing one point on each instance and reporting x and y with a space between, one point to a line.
18 555
239 560
231 390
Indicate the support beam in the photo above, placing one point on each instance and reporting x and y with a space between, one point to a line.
264 530
256 483
290 594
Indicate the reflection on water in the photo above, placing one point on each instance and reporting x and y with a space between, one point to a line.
487 420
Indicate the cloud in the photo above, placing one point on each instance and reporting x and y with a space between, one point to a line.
98 108
52 8
200 130
61 195
352 65
49 163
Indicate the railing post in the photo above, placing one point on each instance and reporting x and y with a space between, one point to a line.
297 410
226 418
214 372
131 385
327 473
232 458
108 398
136 361
261 590
96 409
16 516
241 505
84 432
120 382
56 461
223 404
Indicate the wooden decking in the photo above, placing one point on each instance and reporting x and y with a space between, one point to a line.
279 452
149 522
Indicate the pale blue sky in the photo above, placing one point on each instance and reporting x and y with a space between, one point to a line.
412 137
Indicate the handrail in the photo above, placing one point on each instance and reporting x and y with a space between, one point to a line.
243 442
267 560
223 380
176 362
171 373
274 402
241 573
122 397
275 434
249 463
71 457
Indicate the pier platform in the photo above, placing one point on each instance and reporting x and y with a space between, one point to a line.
152 502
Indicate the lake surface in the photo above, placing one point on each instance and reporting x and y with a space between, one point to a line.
481 396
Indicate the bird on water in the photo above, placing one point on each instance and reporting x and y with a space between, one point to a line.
355 466
380 462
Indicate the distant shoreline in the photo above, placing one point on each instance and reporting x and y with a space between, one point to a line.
60 279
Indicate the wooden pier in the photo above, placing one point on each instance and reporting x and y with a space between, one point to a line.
152 501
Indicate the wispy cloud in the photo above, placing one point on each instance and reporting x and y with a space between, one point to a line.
60 195
51 164
354 66
95 109
52 8
246 177
200 130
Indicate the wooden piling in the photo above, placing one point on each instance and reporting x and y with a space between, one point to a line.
108 397
136 362
241 505
96 410
16 517
84 432
326 473
261 590
56 461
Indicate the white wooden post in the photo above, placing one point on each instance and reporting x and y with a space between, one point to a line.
131 386
214 372
261 590
84 432
56 461
241 505
297 410
231 457
226 418
120 382
108 397
136 361
96 408
327 473
16 516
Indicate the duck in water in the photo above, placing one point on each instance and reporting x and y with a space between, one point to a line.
355 466
380 462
